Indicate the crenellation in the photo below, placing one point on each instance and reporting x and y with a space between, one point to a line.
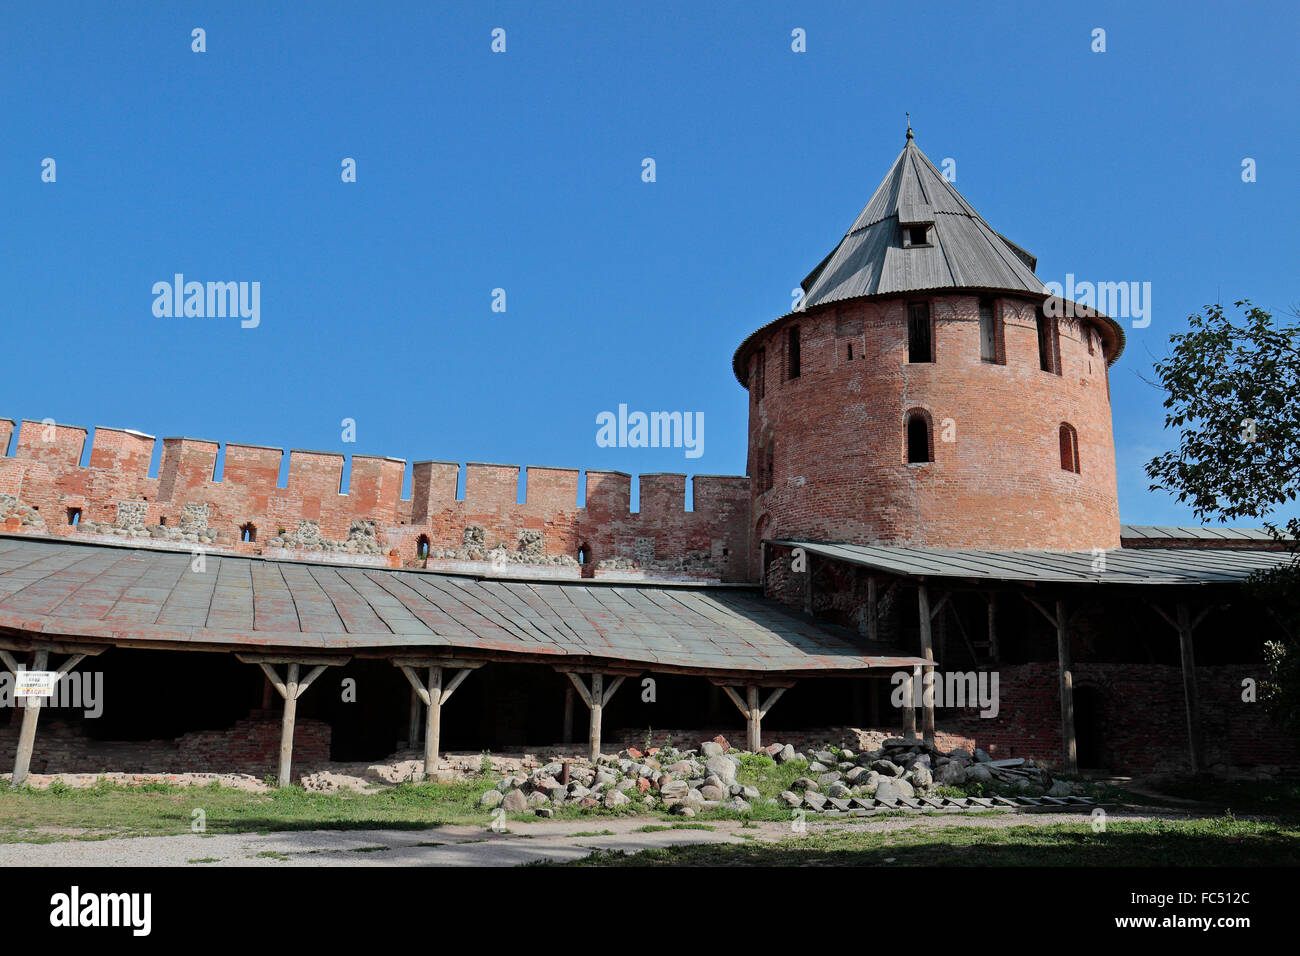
545 534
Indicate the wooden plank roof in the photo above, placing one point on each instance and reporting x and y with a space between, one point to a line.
151 598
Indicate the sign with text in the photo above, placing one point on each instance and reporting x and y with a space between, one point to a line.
36 683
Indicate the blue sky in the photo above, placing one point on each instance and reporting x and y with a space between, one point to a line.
522 171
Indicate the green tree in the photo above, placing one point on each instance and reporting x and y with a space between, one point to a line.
1232 393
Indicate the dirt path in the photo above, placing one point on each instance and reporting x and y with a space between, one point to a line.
469 845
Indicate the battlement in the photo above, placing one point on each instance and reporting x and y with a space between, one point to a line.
240 504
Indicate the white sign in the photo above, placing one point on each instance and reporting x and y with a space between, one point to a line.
36 683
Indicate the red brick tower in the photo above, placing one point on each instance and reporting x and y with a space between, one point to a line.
928 391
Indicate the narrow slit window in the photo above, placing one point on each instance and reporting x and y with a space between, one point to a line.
989 344
920 341
1069 448
422 546
1049 345
248 532
918 438
760 373
74 516
792 352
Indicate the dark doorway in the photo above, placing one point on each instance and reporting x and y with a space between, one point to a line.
1087 728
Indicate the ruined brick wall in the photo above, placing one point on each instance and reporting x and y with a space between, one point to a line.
369 519
838 458
1141 718
249 746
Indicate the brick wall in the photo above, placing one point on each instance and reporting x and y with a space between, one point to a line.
249 746
45 473
839 470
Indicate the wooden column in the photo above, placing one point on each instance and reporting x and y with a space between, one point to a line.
752 711
27 734
909 708
927 615
32 705
290 689
595 697
1061 621
1185 625
433 694
1067 688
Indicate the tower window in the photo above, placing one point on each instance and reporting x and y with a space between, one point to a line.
422 546
918 235
584 555
248 532
850 353
919 440
1049 344
760 373
766 465
991 347
1069 448
792 352
920 341
74 516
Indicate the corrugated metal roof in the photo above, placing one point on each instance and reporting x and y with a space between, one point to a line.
120 594
1192 533
965 252
1122 566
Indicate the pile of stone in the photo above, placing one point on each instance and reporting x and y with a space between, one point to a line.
684 783
905 769
27 516
696 562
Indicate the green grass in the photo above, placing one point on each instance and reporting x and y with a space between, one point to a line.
660 828
591 833
108 810
205 859
1212 841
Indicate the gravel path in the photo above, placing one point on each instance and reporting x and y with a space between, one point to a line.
466 844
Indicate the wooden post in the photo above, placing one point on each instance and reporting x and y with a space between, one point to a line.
1067 689
873 609
413 721
290 689
753 712
927 675
909 711
286 724
433 722
568 714
27 734
1194 743
597 710
993 625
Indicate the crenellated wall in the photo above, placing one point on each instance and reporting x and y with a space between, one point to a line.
45 474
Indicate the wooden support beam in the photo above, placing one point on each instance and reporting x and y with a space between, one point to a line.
1067 688
413 720
753 711
1186 628
927 614
54 647
27 733
595 696
909 711
290 688
873 608
432 693
322 660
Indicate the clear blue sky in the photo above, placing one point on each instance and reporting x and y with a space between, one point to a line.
522 171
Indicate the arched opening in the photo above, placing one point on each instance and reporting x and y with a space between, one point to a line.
248 532
1069 440
422 546
918 438
74 516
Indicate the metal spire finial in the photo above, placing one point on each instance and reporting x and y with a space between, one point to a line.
909 125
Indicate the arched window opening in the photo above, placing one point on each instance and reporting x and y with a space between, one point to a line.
162 522
920 445
1049 344
1069 448
248 532
74 516
584 555
422 546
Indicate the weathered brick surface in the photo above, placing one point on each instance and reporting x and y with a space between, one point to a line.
839 460
45 473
